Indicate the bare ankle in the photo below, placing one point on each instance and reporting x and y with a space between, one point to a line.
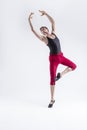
61 74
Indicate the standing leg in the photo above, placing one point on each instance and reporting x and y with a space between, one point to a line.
52 101
53 68
52 89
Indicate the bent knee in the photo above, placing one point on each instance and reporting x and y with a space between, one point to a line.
74 67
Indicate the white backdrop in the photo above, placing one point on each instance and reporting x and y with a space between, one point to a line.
24 64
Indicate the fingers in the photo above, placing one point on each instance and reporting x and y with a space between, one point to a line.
39 10
30 16
31 13
42 12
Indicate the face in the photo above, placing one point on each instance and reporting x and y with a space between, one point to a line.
44 30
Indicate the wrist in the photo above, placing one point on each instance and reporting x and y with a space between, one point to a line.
45 13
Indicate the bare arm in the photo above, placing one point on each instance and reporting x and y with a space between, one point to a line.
50 19
32 29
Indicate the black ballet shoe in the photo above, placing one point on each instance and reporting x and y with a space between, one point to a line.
57 77
51 103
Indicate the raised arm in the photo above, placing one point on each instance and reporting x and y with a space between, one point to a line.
32 29
50 19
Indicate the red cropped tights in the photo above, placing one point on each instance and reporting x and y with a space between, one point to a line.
55 60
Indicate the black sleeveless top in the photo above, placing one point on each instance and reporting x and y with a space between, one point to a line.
54 45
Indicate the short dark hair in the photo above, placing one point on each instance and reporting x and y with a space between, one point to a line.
44 27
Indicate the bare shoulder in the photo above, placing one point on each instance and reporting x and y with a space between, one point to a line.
53 32
45 40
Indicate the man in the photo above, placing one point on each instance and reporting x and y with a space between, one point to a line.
56 56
